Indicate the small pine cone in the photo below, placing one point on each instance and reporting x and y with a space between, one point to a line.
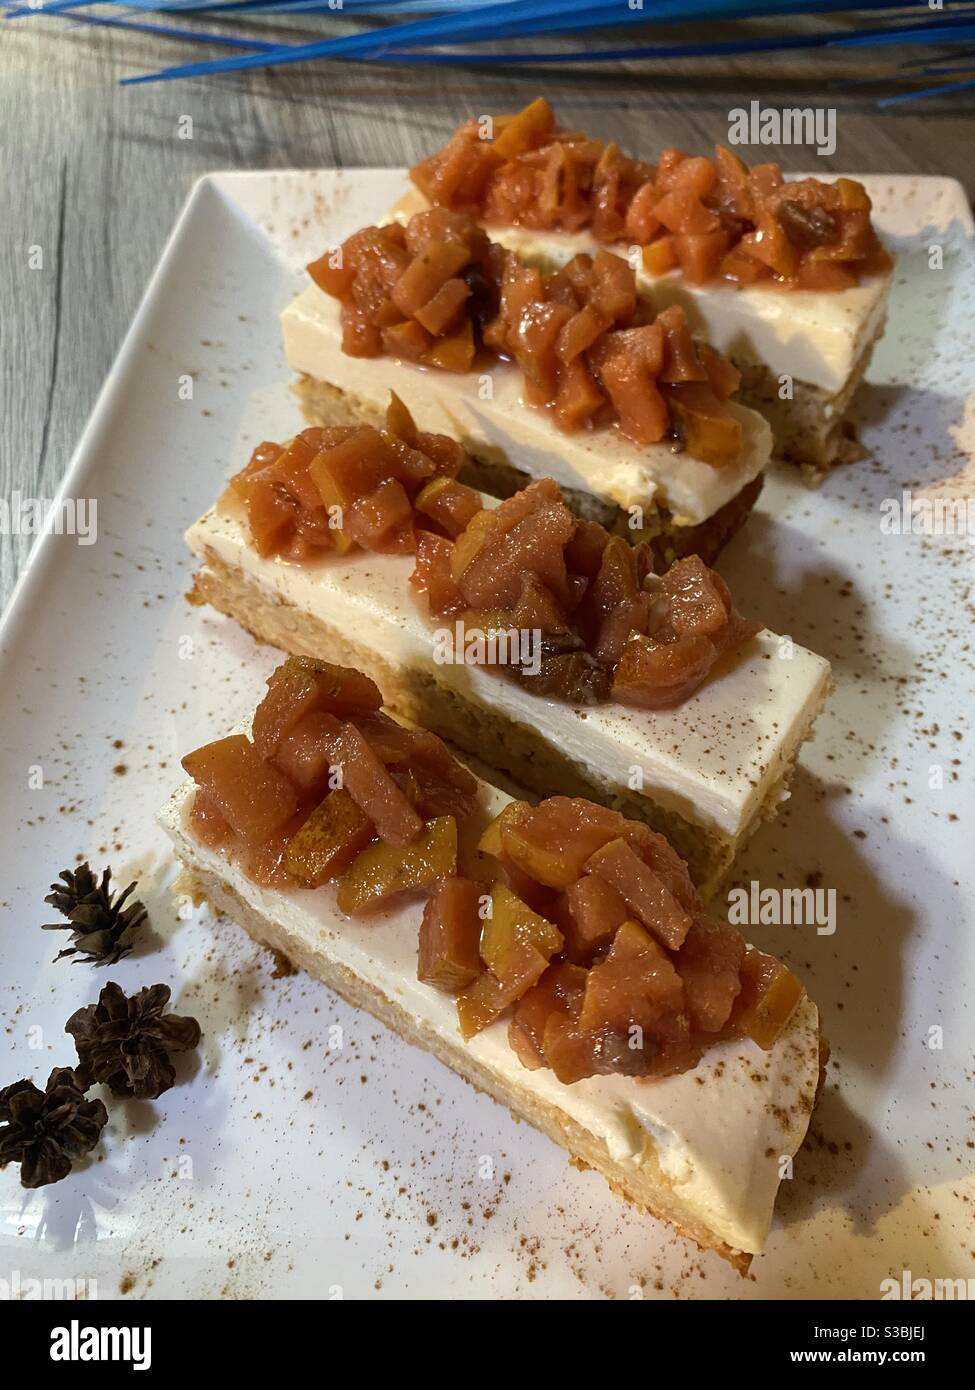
96 920
45 1131
126 1043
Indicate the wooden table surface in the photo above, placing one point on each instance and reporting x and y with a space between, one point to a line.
94 173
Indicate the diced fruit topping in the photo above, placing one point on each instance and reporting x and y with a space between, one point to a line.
449 956
329 840
604 626
384 872
769 996
639 981
332 490
607 629
644 891
581 929
438 293
254 798
374 791
509 927
621 971
708 218
327 775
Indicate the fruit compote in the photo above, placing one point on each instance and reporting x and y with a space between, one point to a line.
709 220
599 953
592 352
329 789
351 486
607 626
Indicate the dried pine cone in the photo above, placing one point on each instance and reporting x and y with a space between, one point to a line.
45 1131
96 922
126 1043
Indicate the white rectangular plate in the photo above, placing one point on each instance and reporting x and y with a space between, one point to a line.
311 1153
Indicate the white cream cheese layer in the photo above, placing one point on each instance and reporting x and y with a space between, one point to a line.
810 335
718 1133
714 759
485 411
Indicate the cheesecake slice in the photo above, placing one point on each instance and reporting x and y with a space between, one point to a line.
568 376
787 279
635 1031
553 656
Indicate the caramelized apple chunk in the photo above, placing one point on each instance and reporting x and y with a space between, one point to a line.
576 1052
709 964
553 842
391 742
375 791
658 675
444 786
206 821
491 841
432 781
510 924
657 851
698 603
538 609
481 1003
433 577
448 956
309 753
590 913
301 686
770 995
644 890
383 872
693 626
541 526
270 509
263 860
253 797
292 692
329 840
560 990
704 424
636 985
450 504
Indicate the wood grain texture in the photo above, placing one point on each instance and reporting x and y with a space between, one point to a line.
94 174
